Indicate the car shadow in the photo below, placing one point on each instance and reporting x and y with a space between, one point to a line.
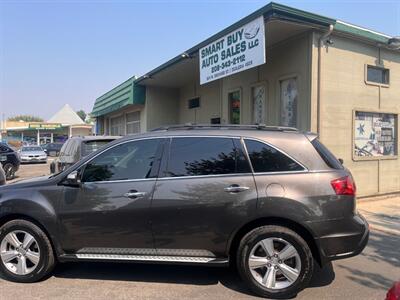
174 274
382 248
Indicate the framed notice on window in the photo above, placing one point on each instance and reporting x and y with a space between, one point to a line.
375 134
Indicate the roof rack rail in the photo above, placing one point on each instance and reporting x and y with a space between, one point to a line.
192 126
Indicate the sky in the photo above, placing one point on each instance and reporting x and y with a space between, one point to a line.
58 52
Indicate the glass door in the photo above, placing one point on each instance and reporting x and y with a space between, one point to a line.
234 107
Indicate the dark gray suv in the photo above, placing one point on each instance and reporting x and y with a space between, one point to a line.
271 200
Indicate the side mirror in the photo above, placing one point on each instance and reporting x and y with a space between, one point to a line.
341 160
73 179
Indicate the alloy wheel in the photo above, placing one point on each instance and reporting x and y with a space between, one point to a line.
9 171
20 252
274 263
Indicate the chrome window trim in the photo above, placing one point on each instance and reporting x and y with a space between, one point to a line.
118 181
204 176
305 169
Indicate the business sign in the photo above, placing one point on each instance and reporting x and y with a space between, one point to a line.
237 51
47 126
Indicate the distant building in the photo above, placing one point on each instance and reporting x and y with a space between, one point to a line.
64 124
279 66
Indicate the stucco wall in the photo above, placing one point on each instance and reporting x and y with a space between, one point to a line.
290 58
161 106
343 89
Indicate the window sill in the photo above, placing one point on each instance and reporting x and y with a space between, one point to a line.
374 158
377 84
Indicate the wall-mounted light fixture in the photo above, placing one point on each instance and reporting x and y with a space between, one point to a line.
186 55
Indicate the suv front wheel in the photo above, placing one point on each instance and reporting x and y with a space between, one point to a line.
274 261
26 254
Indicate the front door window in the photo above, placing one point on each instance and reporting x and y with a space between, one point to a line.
126 161
234 107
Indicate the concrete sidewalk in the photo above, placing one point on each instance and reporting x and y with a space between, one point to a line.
383 214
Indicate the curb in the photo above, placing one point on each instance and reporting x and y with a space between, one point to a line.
378 197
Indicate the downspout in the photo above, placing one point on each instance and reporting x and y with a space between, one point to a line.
320 44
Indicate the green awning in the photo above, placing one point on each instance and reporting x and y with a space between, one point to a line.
126 93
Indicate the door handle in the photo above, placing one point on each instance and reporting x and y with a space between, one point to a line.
234 188
134 194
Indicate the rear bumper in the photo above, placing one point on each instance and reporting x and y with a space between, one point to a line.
344 244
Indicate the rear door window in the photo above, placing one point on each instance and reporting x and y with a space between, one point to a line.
196 156
265 158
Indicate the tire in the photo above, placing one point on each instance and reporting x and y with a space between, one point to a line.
9 170
41 247
254 243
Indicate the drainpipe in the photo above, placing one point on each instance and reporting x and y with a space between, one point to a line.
320 45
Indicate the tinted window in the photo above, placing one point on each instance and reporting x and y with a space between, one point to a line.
326 155
267 159
131 160
92 146
196 156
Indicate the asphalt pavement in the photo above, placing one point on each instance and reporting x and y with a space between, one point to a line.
366 276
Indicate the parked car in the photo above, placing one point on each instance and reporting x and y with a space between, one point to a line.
75 148
52 149
10 160
269 199
2 176
32 154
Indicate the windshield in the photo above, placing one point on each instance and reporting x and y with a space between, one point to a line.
92 146
28 149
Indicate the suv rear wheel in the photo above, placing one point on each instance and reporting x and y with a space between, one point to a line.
26 254
274 261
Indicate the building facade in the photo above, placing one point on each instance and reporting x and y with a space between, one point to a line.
317 74
64 124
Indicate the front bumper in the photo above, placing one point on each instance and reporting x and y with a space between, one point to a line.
344 243
33 159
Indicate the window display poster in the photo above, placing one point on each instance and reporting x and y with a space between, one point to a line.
375 134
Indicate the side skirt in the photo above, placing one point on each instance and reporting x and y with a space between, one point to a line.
191 260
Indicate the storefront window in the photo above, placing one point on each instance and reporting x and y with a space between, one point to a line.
133 122
375 134
234 107
116 125
258 97
289 96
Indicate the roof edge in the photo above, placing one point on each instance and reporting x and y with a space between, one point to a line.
272 9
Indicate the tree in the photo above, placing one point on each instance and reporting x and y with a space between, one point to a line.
25 118
81 113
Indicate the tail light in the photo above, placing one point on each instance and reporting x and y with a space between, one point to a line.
344 186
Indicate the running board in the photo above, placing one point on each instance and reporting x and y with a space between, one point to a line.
151 258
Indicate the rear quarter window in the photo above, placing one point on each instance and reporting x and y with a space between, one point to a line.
265 158
327 156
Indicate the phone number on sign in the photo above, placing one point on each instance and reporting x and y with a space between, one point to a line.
228 63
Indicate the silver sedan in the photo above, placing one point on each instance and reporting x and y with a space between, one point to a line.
31 154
